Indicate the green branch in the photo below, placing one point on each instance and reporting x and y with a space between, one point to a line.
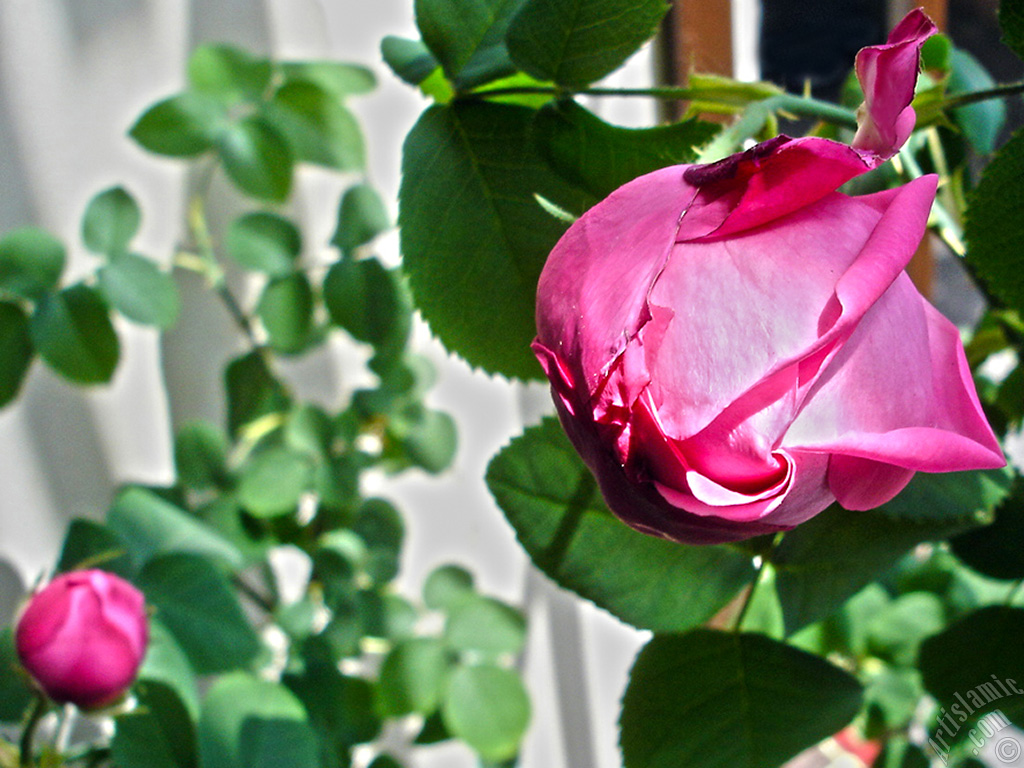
998 92
40 706
799 106
750 594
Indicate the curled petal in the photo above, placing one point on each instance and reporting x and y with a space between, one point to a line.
888 74
899 392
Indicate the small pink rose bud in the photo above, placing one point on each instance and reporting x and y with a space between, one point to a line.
83 637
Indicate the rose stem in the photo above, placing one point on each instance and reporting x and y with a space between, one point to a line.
750 593
39 708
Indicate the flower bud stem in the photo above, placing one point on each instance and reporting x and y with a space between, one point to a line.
40 705
750 593
972 97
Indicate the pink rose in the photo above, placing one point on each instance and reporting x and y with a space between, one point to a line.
83 637
733 347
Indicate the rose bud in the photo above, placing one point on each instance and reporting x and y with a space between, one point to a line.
83 636
733 347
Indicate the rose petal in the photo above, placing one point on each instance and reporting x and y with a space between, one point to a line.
593 289
888 74
900 392
742 308
864 484
766 185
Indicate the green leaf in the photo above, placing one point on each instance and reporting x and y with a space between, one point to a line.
951 497
88 544
196 603
411 60
72 332
473 237
317 125
264 242
994 227
892 698
337 77
158 733
110 222
468 37
340 707
1011 21
15 350
257 158
381 528
310 430
552 502
977 665
430 440
899 753
433 730
200 456
15 689
937 53
228 74
251 723
600 157
982 122
485 627
759 702
252 391
362 216
411 677
31 262
224 515
184 125
370 302
519 80
152 526
273 480
166 662
286 310
488 708
896 631
575 42
447 587
994 550
833 555
140 290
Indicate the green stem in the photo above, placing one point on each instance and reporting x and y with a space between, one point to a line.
801 106
39 708
998 92
1014 590
260 600
200 232
64 725
750 594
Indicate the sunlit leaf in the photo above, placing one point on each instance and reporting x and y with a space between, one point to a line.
473 236
575 42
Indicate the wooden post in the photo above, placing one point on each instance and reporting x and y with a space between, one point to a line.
702 32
